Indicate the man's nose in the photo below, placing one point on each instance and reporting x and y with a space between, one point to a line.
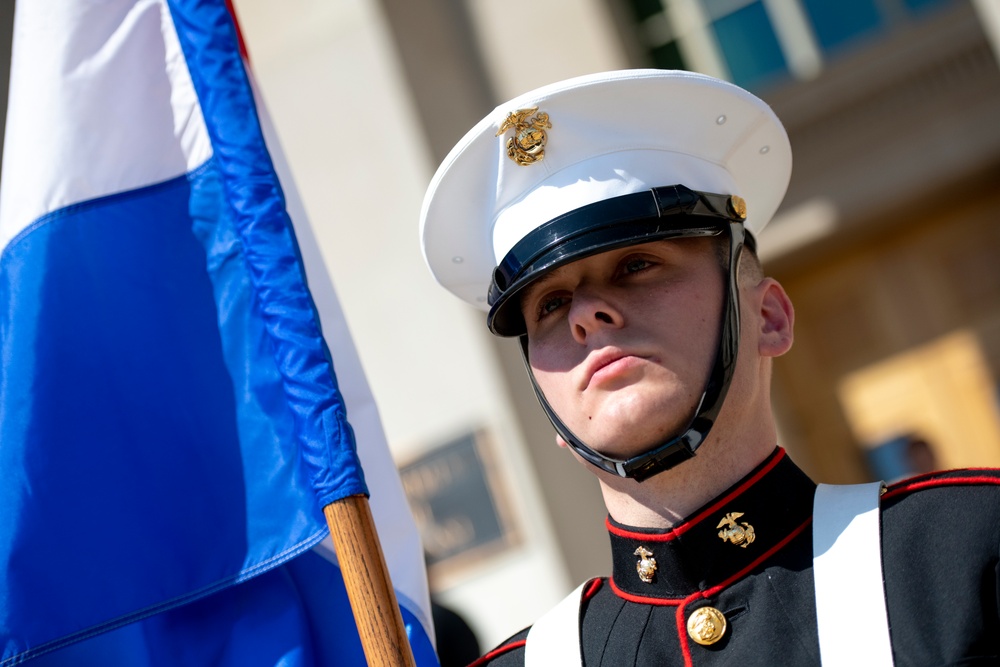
590 312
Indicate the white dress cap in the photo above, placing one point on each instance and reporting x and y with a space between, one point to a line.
605 135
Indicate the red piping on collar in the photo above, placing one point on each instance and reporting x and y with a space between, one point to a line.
673 602
660 602
679 530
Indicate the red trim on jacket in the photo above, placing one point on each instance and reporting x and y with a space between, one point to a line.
928 482
659 602
707 593
935 473
500 650
592 589
682 528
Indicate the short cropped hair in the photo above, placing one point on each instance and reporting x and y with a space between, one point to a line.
750 268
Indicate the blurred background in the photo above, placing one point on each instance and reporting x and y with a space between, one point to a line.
887 242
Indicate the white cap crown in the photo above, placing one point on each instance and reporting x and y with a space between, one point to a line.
589 139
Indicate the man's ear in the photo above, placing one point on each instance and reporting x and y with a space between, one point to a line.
559 441
777 319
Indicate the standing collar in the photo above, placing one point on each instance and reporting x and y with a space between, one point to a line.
754 517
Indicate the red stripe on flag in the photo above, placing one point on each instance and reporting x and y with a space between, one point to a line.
239 33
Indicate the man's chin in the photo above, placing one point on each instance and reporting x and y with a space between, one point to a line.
615 446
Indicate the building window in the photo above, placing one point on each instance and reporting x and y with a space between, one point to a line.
756 42
749 45
838 22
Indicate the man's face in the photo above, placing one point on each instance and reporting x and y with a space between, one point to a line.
621 343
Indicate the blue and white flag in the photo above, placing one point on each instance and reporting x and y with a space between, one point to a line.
170 422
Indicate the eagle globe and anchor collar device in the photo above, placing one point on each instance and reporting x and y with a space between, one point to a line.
662 213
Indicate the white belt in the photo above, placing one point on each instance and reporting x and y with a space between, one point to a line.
554 639
847 565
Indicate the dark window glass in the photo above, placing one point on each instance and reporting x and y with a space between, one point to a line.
668 56
643 9
750 46
837 22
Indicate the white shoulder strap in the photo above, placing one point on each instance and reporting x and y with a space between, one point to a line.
554 639
847 565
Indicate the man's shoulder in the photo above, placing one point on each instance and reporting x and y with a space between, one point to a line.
942 486
510 652
942 512
939 545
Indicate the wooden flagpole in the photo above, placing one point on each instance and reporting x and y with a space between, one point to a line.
369 588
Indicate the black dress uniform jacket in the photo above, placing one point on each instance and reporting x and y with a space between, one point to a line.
941 562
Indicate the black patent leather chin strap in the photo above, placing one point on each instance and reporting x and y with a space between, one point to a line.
682 447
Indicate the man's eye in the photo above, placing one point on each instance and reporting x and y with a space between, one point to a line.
635 265
550 305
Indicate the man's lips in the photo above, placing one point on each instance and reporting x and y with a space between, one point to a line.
607 363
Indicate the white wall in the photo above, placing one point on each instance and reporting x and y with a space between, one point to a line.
527 44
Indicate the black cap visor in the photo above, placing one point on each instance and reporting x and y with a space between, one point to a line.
661 213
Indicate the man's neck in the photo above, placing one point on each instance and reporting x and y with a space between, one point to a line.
673 495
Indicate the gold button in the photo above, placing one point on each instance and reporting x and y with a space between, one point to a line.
706 625
738 206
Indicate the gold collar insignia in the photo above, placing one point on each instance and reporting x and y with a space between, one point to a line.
646 565
740 534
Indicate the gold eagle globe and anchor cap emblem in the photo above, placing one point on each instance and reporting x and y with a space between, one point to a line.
646 565
527 146
740 534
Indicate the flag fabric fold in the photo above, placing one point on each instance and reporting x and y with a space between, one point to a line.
170 421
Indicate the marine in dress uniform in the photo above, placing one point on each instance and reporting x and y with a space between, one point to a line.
609 222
